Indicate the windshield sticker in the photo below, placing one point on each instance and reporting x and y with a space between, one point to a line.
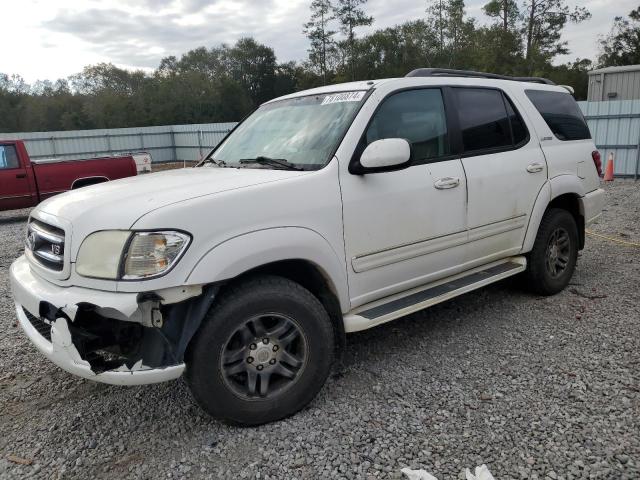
343 97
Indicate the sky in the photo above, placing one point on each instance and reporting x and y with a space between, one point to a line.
53 39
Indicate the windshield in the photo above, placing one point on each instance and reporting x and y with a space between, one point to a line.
298 133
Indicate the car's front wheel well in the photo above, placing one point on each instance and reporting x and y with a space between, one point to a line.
571 203
311 277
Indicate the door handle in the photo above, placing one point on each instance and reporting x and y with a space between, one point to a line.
445 183
535 168
21 175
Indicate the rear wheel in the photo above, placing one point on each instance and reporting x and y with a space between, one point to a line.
555 252
264 351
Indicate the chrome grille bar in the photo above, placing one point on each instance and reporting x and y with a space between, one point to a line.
47 235
46 243
50 257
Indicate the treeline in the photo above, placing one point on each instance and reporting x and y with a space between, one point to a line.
226 82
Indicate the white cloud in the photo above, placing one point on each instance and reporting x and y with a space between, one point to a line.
56 39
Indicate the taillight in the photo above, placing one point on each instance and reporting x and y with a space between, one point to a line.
597 160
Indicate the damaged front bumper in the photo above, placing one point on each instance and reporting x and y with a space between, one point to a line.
109 337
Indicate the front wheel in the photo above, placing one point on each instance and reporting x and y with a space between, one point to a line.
263 352
555 252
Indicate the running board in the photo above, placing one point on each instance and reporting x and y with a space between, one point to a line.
404 303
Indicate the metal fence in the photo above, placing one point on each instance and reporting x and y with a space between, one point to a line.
166 143
615 127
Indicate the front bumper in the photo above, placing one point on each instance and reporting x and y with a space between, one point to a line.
30 290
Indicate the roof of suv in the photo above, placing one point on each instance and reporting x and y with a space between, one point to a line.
418 80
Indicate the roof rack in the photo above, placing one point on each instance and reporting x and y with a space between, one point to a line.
446 72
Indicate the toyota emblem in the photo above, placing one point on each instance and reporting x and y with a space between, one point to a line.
31 240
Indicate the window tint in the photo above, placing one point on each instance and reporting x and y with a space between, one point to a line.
562 114
483 119
417 116
8 157
518 127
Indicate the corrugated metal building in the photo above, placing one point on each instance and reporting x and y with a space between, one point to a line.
615 127
165 143
614 83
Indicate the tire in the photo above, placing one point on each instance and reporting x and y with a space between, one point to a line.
266 327
558 228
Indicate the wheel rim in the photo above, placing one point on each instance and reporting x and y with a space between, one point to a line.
264 356
558 252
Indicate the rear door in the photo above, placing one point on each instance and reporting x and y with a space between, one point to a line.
15 189
505 171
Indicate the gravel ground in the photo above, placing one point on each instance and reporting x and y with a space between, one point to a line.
533 387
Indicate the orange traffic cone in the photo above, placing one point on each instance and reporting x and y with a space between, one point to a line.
608 171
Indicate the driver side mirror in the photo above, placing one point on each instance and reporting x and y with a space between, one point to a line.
386 155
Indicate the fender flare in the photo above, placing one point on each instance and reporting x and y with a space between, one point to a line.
250 250
563 184
553 188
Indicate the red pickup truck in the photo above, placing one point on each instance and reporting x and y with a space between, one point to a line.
25 182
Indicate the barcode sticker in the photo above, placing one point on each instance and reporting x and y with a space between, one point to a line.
343 97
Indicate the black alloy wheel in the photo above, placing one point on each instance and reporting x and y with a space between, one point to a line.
264 356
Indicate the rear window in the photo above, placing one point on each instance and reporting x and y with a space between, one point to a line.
488 121
8 157
562 114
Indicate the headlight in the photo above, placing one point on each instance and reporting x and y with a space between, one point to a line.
153 253
100 254
117 255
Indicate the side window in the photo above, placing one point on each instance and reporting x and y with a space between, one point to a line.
562 114
8 157
483 119
417 116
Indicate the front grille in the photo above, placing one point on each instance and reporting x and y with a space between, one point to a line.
46 242
40 325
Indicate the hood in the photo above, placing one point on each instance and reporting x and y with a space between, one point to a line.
118 204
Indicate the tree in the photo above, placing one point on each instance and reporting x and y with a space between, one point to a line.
436 14
223 83
500 44
506 11
351 16
544 22
460 29
253 65
455 32
574 74
622 45
319 33
394 51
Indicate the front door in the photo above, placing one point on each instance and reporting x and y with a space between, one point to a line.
15 190
505 170
408 227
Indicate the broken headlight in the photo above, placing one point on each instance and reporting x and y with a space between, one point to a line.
124 255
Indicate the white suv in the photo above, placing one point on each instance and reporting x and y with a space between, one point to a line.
325 212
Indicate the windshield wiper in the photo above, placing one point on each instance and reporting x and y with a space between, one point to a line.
217 163
274 162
